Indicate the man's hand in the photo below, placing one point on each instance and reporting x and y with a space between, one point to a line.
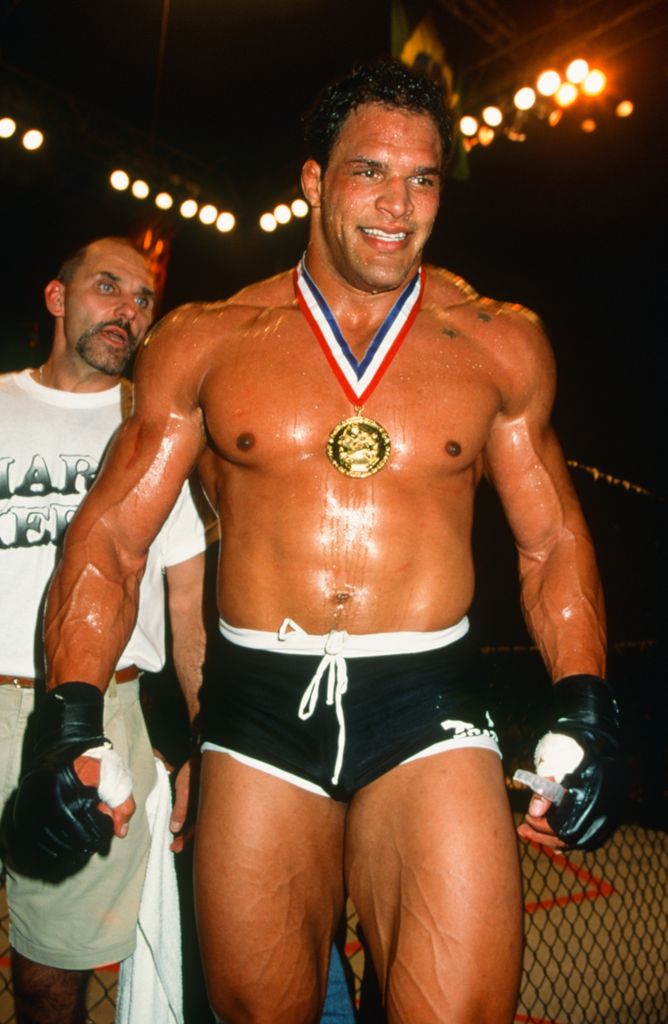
181 823
587 719
55 822
536 827
88 770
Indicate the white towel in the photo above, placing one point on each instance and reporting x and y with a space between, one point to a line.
149 982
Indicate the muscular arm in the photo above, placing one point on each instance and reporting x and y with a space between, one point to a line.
561 591
93 598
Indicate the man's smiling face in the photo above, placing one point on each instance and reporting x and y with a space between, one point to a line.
379 196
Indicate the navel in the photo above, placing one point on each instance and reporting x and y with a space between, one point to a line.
453 448
245 442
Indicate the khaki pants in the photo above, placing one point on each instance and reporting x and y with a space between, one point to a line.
89 919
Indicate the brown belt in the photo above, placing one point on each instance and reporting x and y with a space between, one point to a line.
122 675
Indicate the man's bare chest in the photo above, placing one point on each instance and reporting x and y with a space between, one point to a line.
274 396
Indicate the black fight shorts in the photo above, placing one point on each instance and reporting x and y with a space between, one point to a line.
333 736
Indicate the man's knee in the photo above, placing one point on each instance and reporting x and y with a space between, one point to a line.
291 994
48 995
234 1007
432 999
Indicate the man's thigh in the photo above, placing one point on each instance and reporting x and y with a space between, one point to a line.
269 891
432 868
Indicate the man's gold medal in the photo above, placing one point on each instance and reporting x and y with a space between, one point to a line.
358 447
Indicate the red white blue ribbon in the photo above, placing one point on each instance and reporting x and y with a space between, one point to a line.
358 379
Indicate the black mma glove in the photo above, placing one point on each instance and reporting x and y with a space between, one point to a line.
53 826
587 712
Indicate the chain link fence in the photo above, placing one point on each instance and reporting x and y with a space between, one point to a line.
596 924
596 938
596 928
596 934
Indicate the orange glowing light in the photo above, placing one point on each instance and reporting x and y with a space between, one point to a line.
566 94
577 71
594 83
524 98
492 116
548 82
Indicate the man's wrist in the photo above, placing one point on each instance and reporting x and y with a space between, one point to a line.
71 713
585 700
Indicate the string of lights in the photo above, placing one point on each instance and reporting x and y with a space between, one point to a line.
31 138
207 213
188 207
552 93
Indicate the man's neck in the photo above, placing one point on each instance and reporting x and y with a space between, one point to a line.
62 375
359 311
65 369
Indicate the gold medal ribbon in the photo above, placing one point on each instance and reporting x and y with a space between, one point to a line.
358 446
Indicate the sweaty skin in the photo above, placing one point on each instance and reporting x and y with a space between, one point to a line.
247 381
242 390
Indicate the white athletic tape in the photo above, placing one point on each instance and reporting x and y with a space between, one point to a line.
115 776
557 755
552 791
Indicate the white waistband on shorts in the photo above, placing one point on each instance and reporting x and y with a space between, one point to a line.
290 638
335 647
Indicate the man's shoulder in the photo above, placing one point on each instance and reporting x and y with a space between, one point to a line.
444 289
506 337
12 389
447 294
204 323
8 380
273 292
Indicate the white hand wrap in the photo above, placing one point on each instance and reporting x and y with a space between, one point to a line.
557 755
115 776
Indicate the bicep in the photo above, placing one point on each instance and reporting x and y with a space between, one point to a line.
561 593
525 463
523 458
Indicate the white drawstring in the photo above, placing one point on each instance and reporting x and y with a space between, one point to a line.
337 683
292 639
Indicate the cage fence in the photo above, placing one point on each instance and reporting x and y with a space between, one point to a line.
595 923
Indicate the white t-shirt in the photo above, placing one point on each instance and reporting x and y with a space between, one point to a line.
51 446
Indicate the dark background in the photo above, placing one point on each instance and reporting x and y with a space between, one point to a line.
570 224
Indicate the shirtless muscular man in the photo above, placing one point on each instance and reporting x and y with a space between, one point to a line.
348 747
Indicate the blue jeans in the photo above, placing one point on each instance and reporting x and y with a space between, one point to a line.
338 1008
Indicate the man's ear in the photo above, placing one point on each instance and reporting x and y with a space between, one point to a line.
54 296
312 183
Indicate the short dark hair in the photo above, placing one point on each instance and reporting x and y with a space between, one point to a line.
388 83
70 266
